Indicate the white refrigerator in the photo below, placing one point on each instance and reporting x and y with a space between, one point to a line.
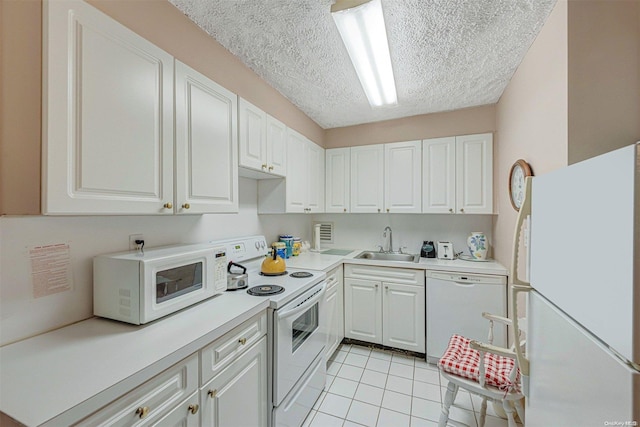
583 304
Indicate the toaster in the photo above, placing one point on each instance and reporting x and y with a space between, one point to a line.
445 250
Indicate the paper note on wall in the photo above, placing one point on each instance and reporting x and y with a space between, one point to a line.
50 269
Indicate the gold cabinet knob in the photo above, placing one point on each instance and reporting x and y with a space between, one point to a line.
462 210
264 166
212 393
193 408
242 341
451 210
186 206
345 209
378 209
142 411
168 205
388 209
270 168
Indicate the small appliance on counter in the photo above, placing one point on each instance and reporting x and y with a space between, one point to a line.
445 250
237 281
428 250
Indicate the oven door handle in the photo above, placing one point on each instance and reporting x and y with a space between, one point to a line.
283 314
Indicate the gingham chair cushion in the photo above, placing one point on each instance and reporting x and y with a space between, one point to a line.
459 359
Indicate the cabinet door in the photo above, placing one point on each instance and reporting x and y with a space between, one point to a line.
474 174
403 313
206 144
439 175
107 116
252 136
334 301
297 172
238 395
337 180
367 178
315 184
363 310
403 177
276 147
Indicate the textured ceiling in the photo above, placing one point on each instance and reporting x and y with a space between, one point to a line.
446 54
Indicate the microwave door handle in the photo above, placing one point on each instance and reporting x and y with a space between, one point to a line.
283 314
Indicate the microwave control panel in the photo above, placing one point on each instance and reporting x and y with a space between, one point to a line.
219 268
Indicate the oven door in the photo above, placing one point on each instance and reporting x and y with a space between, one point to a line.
299 337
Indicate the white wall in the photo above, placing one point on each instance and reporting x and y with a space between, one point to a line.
355 231
22 315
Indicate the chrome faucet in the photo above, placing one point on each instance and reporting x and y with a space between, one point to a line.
390 235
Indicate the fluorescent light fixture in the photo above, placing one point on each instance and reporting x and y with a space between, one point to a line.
361 26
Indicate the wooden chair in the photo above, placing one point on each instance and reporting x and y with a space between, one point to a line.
485 370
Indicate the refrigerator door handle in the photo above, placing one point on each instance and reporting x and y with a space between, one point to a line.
525 211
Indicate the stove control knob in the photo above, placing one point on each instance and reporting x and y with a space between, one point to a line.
257 245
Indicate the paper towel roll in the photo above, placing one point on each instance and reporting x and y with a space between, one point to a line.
316 238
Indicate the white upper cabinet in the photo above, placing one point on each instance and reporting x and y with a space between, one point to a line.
458 174
367 178
262 142
337 180
303 189
107 116
315 183
276 147
474 174
439 175
109 121
206 144
403 177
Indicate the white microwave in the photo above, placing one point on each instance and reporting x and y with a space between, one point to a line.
138 287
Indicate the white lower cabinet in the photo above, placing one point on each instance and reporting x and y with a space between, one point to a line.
334 306
237 396
224 384
385 306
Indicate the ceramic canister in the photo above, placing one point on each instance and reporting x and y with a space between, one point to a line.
477 243
297 246
287 239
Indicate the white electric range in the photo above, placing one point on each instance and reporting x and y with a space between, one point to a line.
297 329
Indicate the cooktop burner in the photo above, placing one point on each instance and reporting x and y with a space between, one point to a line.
274 274
301 274
264 290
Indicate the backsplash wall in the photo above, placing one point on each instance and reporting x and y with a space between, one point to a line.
364 231
22 315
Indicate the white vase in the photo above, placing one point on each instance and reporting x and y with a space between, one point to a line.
477 243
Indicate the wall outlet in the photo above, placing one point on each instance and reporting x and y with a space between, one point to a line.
132 241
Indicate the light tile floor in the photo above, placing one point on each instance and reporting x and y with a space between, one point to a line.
373 387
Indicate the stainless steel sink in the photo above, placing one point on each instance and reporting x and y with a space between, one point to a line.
384 256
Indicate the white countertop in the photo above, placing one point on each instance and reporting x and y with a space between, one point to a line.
75 370
320 261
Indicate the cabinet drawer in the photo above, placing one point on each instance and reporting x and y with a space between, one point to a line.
227 348
384 274
146 404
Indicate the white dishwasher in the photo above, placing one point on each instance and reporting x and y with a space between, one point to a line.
455 303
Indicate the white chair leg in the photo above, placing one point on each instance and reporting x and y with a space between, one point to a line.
449 397
483 412
508 409
519 409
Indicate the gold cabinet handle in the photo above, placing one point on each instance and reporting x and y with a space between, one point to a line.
212 393
264 166
451 210
168 205
388 209
270 168
462 210
242 341
378 209
142 411
193 408
345 209
186 206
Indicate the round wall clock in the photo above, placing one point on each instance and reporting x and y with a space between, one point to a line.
519 171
